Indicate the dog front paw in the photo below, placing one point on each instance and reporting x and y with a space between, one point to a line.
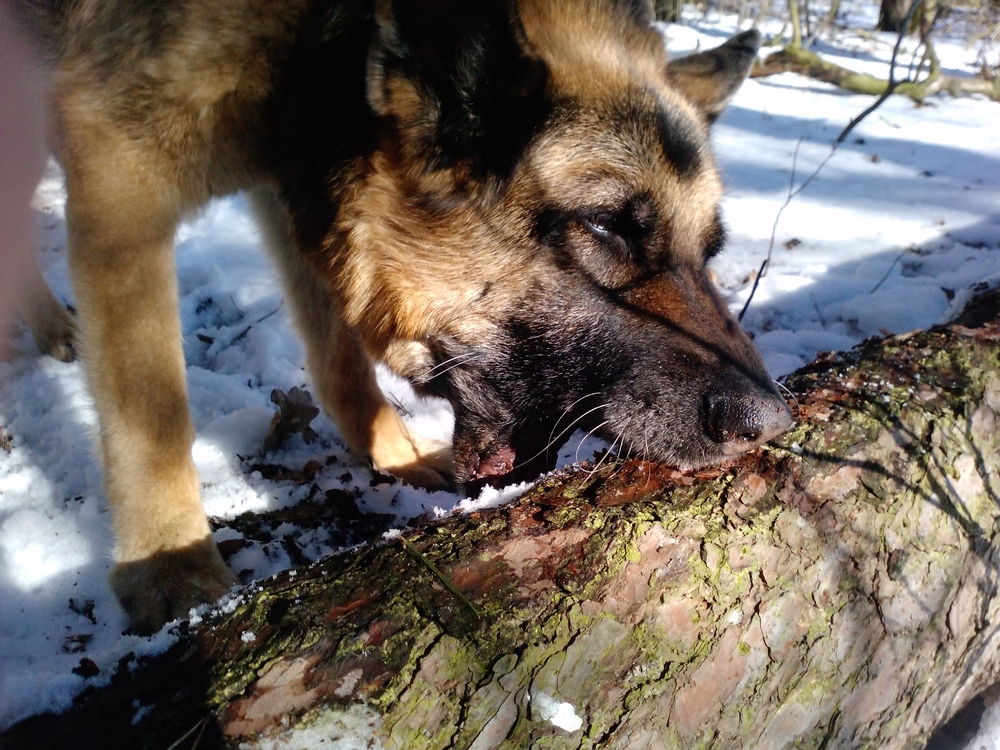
429 465
420 476
416 460
166 585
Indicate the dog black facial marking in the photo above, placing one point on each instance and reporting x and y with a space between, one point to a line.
714 238
682 143
481 89
550 227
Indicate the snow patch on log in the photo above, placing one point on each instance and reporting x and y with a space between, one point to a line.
558 713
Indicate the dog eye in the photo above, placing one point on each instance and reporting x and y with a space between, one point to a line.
602 225
615 233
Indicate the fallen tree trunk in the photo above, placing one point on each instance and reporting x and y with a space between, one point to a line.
794 59
835 590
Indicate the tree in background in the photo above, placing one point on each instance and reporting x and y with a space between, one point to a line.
891 15
667 10
925 76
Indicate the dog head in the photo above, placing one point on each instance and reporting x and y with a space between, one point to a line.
531 238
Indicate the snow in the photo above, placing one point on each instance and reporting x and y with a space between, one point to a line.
558 713
352 729
891 234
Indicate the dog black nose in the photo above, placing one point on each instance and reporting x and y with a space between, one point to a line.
745 419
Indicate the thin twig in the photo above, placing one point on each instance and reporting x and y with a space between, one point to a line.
411 548
893 83
819 312
242 334
399 405
883 279
756 282
792 193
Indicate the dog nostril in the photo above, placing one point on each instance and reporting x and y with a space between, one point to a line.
728 419
745 418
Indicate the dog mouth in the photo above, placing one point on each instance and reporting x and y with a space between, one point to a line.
502 460
655 407
729 427
496 460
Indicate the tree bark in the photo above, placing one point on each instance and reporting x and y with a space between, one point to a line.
796 22
837 589
892 15
668 11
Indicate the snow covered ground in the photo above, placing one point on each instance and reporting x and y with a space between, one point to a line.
898 225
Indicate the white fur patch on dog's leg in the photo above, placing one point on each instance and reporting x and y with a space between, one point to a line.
415 459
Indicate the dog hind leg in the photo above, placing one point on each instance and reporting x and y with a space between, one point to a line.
121 218
49 321
341 368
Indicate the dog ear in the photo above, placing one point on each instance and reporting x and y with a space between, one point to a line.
709 79
458 79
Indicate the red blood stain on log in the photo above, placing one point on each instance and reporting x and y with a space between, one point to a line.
494 462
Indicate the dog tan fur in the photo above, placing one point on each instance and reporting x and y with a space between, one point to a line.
497 200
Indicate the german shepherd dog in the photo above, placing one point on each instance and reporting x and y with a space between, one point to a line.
508 202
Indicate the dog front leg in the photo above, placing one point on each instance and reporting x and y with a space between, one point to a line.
121 220
366 419
341 368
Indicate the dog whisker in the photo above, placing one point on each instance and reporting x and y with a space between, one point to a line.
567 411
576 456
787 390
610 451
449 364
621 464
644 455
457 357
552 441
